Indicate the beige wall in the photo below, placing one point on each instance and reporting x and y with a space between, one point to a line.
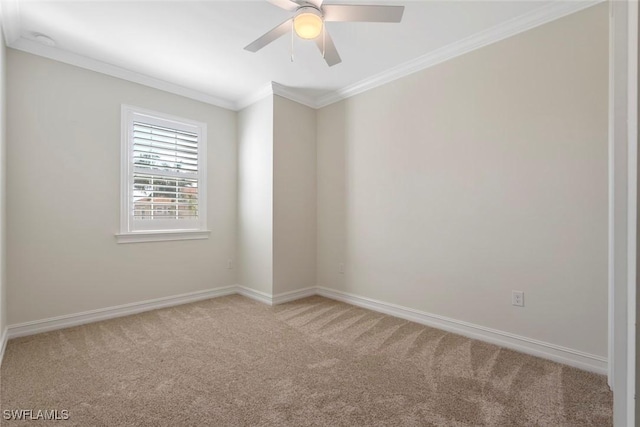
255 196
442 191
294 196
447 189
63 204
277 196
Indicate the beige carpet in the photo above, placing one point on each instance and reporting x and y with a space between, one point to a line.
232 362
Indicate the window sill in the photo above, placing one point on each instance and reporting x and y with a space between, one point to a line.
161 236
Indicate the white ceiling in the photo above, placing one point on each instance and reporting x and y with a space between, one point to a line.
198 45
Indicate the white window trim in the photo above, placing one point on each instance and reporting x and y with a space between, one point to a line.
127 234
161 236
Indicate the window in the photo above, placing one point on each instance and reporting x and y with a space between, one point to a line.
163 177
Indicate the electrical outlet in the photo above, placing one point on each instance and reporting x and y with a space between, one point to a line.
341 268
517 298
230 264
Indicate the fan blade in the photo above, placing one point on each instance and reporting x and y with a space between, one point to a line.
270 36
330 52
316 3
292 5
352 13
285 4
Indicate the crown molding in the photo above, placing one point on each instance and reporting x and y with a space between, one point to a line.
11 25
263 92
293 95
10 20
274 88
492 35
67 57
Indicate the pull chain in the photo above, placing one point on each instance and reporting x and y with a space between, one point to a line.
292 35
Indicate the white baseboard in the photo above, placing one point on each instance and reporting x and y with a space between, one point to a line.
556 353
263 297
519 343
3 343
276 299
67 321
293 295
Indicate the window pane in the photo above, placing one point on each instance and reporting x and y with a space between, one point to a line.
164 149
158 197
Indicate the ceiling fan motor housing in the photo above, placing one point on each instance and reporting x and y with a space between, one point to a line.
308 22
310 16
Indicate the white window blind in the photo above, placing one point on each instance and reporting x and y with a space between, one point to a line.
165 173
164 186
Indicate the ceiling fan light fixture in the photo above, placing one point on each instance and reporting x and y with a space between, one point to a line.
310 16
308 23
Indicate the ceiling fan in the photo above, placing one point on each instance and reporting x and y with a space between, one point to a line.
310 16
